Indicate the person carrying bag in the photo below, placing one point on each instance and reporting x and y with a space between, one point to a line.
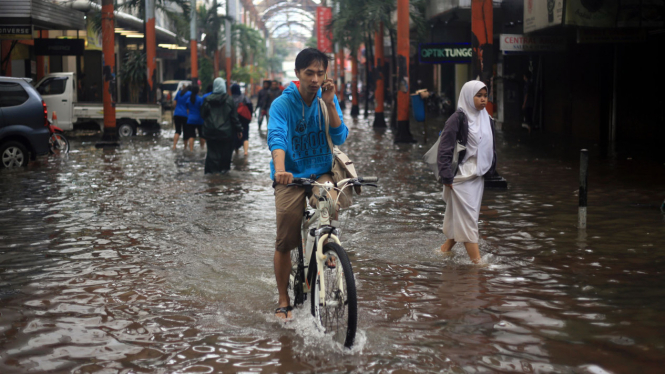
221 127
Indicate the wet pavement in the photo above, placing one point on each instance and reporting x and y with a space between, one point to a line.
130 260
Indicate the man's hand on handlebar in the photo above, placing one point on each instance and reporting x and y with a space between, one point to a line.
283 177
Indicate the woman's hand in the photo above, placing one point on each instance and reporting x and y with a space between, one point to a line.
328 91
449 186
239 135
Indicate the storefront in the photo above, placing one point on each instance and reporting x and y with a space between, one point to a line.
24 20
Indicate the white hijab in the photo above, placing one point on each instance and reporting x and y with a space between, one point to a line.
479 142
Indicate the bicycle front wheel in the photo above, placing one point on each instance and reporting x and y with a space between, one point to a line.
339 316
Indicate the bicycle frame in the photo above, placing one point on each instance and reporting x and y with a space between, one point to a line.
325 230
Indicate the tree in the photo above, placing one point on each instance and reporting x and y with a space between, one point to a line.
133 73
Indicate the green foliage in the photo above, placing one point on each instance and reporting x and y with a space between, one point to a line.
358 19
245 74
211 22
312 42
249 41
206 72
133 73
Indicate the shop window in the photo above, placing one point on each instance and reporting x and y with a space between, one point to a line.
53 86
12 94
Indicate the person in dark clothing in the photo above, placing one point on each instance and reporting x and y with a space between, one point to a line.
220 127
238 99
262 102
273 93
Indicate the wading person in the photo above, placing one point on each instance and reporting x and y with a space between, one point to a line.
194 120
273 93
244 115
262 102
180 114
220 128
297 141
473 128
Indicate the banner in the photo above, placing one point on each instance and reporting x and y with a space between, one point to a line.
93 38
482 39
539 14
323 35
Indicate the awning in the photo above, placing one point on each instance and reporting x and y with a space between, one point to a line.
42 15
126 20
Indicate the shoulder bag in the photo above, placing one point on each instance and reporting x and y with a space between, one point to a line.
342 166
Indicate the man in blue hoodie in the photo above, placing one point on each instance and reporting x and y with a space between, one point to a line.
299 147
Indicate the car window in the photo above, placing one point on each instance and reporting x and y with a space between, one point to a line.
12 94
53 86
169 86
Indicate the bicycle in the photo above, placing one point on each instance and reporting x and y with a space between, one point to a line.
337 311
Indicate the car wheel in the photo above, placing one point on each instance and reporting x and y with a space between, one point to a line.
13 154
126 129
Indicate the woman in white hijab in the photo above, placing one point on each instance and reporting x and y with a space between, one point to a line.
473 128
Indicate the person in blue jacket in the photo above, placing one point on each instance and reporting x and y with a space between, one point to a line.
180 113
297 141
194 120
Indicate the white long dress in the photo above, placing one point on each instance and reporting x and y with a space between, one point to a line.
460 222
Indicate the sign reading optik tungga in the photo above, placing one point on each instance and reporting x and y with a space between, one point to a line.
444 53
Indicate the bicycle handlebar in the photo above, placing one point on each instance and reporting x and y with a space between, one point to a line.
353 181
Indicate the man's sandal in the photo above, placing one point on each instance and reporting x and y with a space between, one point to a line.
285 310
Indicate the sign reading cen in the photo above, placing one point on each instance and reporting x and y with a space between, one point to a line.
444 53
323 35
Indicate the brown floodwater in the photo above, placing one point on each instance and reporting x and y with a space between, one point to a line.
130 260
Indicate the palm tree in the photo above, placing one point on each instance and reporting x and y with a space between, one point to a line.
249 40
356 19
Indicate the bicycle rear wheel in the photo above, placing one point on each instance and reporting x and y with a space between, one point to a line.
339 317
297 277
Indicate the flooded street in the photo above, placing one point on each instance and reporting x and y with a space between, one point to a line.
130 260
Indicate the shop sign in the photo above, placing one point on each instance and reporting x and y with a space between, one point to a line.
444 53
525 43
539 14
16 32
323 34
59 47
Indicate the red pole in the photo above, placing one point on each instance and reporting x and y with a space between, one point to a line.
151 48
110 136
342 74
193 45
403 131
354 85
379 118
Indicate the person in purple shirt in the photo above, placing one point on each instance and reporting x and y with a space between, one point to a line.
194 120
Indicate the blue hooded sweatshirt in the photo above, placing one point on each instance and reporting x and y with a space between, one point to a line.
303 138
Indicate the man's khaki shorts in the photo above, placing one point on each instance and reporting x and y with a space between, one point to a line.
290 207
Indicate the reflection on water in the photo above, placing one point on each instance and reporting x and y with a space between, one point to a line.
131 260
